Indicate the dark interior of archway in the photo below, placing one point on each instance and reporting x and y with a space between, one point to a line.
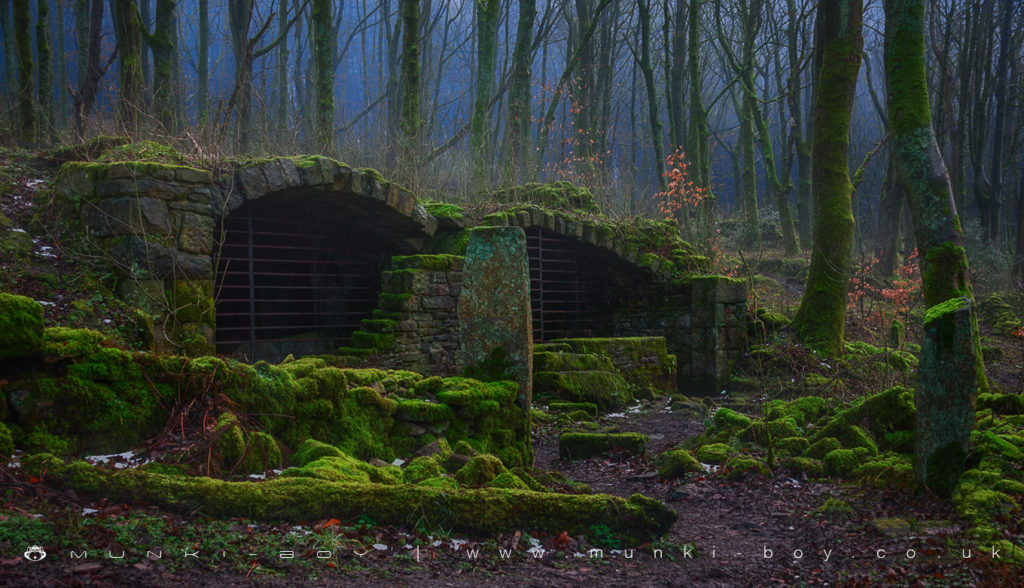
570 287
295 276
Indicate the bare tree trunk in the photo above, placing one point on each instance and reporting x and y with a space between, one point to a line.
47 116
323 51
652 96
519 110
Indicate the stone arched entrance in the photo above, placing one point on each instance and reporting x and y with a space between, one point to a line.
570 287
303 245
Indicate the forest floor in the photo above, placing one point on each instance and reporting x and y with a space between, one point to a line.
747 532
750 531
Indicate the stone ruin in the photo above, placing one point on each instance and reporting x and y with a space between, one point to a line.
307 256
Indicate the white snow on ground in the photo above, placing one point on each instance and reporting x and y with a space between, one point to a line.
89 511
380 547
33 184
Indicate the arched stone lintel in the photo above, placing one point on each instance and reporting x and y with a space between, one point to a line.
320 174
594 234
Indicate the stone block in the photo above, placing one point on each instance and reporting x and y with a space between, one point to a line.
128 216
196 234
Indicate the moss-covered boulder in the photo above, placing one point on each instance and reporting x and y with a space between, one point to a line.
508 480
713 453
21 326
801 411
806 465
347 469
422 468
762 433
480 470
584 445
677 463
741 466
312 450
821 447
728 419
842 462
607 390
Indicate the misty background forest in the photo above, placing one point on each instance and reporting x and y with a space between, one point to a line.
457 98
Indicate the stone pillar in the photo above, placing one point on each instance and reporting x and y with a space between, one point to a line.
945 395
495 321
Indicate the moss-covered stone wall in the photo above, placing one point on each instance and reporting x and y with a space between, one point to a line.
157 225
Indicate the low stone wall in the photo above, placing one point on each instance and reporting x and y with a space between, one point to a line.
416 326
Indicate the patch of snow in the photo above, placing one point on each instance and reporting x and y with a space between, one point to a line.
708 468
458 543
45 303
436 544
34 183
380 547
258 476
635 409
106 458
398 462
89 511
19 231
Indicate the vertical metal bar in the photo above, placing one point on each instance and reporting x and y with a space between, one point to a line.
252 290
540 272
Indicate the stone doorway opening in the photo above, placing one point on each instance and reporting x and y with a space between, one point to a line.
295 275
571 290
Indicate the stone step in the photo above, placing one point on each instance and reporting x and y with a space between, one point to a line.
554 361
644 362
607 390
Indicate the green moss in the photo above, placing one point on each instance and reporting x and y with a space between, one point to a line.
147 151
442 482
549 361
1009 486
6 442
422 468
588 407
605 389
1001 403
584 445
556 195
312 450
885 413
996 313
834 507
890 470
792 445
64 342
21 326
444 210
983 505
741 465
40 440
812 467
713 453
727 419
841 462
676 463
485 510
481 469
508 480
849 436
435 262
761 432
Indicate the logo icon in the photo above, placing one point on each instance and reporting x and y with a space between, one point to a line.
35 553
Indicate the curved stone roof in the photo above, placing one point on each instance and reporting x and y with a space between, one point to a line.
325 177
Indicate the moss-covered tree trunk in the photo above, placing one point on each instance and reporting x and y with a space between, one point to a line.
161 43
323 56
480 127
820 320
950 370
26 85
239 18
47 115
60 66
519 92
128 30
653 109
